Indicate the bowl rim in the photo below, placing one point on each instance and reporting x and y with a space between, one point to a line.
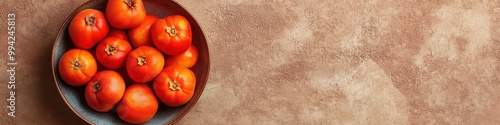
195 97
182 112
61 29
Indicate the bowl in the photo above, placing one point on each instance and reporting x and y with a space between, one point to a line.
74 96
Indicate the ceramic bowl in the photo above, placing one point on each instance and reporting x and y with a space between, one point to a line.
74 96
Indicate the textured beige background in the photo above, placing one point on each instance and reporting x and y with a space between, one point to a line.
310 62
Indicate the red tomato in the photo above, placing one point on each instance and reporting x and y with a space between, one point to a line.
175 85
138 105
120 33
112 52
141 35
77 67
172 34
88 28
104 90
124 14
186 59
144 63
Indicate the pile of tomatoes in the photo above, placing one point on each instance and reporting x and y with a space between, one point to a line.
121 52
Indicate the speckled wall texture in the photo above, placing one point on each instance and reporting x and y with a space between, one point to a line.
309 62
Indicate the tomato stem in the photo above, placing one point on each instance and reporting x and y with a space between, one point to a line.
174 85
75 64
111 50
130 3
171 30
141 60
96 86
90 20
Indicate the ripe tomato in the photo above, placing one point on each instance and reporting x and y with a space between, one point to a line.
112 52
172 34
175 85
144 63
138 105
120 33
88 28
186 59
77 67
125 14
141 35
104 90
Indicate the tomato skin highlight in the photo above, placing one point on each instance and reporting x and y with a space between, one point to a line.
77 66
105 90
88 28
141 35
172 35
175 85
125 14
112 52
138 105
144 64
187 59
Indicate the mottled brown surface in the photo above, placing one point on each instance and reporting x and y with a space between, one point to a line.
314 62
